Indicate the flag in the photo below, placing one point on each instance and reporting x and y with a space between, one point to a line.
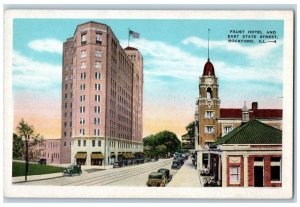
134 34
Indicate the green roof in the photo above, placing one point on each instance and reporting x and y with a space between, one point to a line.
253 132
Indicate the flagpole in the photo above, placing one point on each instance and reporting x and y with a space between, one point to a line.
128 36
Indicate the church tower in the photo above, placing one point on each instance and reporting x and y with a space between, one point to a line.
209 105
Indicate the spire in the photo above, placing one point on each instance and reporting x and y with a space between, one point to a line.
245 107
208 44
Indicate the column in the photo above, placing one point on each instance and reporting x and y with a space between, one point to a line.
224 169
199 160
219 168
245 170
88 151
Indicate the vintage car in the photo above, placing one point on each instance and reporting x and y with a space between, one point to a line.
118 164
156 179
167 174
72 169
42 161
176 165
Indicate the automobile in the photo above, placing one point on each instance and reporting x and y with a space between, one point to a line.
156 179
147 160
118 164
175 165
72 169
130 162
167 173
152 160
42 161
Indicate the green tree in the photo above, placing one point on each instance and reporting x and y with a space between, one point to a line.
26 131
18 147
162 144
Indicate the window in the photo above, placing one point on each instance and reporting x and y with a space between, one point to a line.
65 144
96 132
99 143
83 54
98 53
209 114
65 134
99 38
97 76
82 98
82 87
82 121
234 174
82 109
227 129
209 129
275 169
66 95
84 143
66 86
97 109
97 86
79 143
81 131
66 105
70 124
96 121
82 76
208 93
97 64
66 77
83 39
97 98
93 143
83 65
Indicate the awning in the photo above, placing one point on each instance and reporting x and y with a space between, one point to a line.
125 155
81 155
130 155
112 154
97 155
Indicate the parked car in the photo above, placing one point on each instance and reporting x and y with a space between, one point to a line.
156 179
42 161
175 165
167 174
147 160
72 169
118 164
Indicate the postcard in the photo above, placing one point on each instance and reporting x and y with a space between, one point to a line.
148 104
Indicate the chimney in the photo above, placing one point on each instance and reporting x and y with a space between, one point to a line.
254 105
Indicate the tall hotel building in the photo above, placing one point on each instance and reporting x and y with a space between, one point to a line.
102 97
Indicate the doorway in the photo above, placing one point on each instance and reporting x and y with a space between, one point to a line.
258 176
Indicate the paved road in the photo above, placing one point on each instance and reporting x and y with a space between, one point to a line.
136 175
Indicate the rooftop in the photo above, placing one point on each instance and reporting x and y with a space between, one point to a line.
253 132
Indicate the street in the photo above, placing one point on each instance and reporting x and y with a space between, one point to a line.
135 175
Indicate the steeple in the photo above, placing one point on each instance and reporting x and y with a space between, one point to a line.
208 67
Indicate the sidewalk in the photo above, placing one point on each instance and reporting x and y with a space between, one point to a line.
187 176
21 179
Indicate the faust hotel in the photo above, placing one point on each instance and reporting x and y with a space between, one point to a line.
102 99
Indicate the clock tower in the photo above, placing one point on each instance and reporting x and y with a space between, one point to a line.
209 106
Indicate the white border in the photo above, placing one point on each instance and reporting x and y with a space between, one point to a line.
141 192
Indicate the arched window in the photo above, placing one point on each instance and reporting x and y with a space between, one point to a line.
208 93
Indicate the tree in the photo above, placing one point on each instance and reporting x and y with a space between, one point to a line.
18 147
188 139
26 131
161 144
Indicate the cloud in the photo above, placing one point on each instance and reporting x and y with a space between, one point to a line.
46 45
34 75
252 52
164 60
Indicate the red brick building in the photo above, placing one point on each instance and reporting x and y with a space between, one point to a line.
248 156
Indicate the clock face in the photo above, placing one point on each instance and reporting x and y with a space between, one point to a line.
209 81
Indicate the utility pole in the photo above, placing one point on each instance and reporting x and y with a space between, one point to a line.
26 156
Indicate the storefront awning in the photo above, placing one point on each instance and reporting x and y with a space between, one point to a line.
97 155
81 155
112 154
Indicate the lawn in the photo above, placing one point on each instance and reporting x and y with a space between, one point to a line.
18 169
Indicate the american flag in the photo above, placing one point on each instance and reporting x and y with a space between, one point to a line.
134 34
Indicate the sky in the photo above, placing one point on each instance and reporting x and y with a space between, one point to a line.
174 52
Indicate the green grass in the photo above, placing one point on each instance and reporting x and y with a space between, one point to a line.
18 169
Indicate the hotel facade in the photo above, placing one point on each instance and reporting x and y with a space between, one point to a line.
102 97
